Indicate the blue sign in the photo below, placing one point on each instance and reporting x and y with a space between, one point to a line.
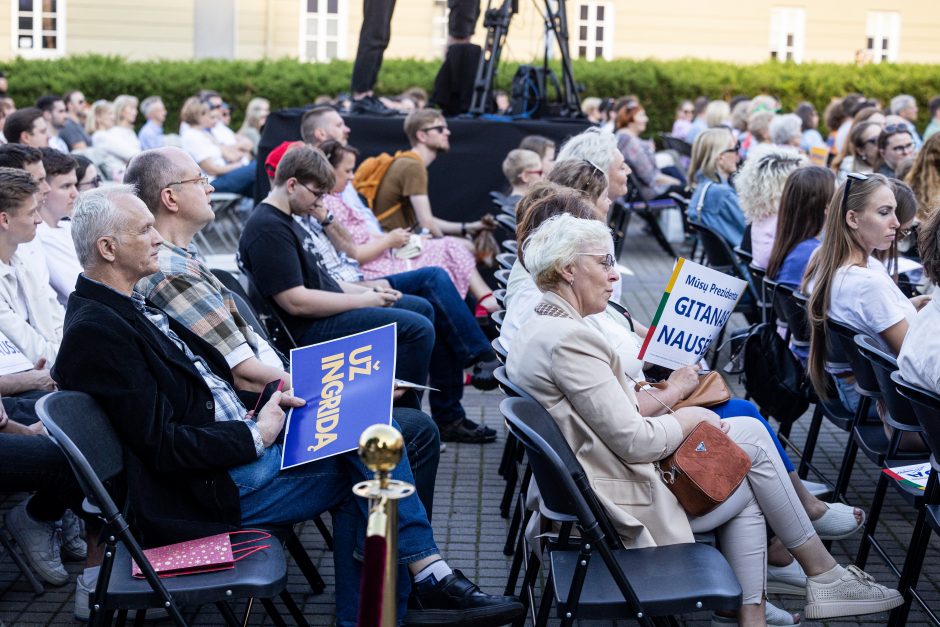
348 385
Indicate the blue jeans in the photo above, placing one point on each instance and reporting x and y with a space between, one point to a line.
423 441
238 181
271 497
415 332
851 398
459 340
741 407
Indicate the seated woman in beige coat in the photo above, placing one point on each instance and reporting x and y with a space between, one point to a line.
574 373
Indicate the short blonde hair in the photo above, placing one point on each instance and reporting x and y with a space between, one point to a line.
707 148
556 244
517 162
192 109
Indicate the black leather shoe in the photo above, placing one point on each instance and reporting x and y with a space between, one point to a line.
370 105
456 601
466 431
483 378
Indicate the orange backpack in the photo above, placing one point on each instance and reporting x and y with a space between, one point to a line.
370 173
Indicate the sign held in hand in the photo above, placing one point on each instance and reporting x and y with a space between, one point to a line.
695 306
348 384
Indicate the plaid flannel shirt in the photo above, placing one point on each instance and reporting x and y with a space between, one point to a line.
187 290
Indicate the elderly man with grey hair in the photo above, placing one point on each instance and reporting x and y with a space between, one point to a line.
599 148
905 105
200 462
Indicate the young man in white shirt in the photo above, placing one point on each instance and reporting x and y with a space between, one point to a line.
53 111
30 315
54 233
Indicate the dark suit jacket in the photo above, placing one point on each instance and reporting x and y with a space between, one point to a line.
163 411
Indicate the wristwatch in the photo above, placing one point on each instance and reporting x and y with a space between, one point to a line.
328 220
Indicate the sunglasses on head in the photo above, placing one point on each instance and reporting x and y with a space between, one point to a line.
852 176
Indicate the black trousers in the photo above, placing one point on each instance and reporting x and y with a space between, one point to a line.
377 30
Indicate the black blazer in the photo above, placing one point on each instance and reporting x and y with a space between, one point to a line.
177 456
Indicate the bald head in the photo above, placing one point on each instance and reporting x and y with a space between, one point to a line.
151 171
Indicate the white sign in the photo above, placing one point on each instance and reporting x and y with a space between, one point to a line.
695 306
11 359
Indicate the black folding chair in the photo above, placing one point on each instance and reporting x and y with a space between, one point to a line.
626 583
510 246
720 257
866 434
501 353
901 419
502 277
83 432
20 562
671 142
266 312
926 405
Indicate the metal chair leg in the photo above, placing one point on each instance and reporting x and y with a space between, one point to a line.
21 563
227 614
271 609
294 610
324 531
302 559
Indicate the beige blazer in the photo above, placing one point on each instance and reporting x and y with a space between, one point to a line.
571 370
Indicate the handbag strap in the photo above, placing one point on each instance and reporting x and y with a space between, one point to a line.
701 201
645 389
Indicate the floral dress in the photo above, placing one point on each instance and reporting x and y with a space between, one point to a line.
448 253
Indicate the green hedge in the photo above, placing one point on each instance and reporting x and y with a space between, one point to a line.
288 83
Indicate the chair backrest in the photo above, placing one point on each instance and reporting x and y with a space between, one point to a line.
510 246
844 336
497 317
926 404
264 310
81 429
900 412
500 296
501 353
533 416
508 388
744 256
508 222
791 308
550 457
671 142
506 260
720 256
502 277
227 279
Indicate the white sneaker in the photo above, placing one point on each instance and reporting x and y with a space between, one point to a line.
789 580
74 548
84 586
853 594
39 543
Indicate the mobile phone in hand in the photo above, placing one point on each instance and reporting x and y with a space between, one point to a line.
266 394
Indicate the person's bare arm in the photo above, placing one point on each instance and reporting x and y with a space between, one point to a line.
303 302
209 167
253 374
36 379
438 226
396 238
894 336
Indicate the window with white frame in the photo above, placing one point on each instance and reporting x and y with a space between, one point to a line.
323 30
594 30
439 26
787 33
883 35
39 27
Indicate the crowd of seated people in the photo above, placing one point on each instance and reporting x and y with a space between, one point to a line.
81 258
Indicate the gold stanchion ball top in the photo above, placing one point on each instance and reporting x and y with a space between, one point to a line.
381 447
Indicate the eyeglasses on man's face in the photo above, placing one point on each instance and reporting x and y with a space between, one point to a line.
440 128
201 180
317 194
607 260
903 149
735 149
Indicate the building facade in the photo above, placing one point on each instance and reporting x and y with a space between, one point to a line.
318 30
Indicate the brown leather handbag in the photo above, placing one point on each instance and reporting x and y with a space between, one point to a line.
705 470
712 390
